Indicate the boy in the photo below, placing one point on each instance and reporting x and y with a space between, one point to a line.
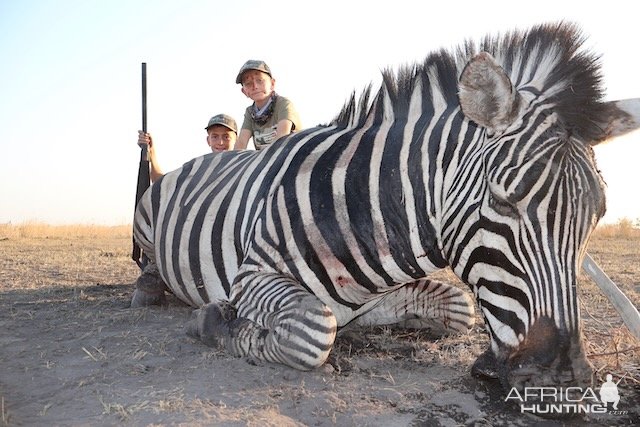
222 132
271 115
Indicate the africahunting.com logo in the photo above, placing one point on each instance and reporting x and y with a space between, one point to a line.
568 400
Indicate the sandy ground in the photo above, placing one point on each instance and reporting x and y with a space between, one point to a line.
73 353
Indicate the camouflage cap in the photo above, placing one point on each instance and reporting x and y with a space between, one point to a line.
223 120
253 64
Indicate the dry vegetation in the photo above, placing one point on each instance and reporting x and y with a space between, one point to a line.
72 353
38 230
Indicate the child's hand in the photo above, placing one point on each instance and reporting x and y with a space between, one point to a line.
144 139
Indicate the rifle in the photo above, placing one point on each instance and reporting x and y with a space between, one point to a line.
143 169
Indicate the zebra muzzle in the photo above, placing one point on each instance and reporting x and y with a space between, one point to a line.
547 357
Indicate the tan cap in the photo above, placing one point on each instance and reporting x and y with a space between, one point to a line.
253 64
223 120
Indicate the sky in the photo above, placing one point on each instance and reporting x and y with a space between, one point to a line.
70 82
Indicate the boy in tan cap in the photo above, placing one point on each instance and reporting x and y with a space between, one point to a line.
271 115
222 132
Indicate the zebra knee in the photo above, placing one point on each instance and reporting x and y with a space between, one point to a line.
461 313
451 307
306 339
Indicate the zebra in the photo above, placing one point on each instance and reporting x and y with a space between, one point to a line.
478 158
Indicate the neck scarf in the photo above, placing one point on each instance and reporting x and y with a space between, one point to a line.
260 116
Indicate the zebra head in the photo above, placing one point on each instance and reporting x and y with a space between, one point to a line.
521 231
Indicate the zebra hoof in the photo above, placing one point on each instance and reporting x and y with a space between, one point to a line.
149 288
210 324
485 366
144 299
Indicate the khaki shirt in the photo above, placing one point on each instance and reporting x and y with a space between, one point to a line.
265 134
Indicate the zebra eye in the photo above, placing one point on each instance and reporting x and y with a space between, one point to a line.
502 207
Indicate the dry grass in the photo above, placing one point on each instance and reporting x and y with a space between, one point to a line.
624 228
39 230
42 256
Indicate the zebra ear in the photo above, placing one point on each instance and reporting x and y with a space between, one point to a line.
623 117
486 94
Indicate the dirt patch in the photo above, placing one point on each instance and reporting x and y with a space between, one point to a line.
73 353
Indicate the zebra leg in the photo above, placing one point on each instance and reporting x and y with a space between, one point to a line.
276 321
424 304
149 288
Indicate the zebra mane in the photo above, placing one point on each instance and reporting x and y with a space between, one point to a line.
546 59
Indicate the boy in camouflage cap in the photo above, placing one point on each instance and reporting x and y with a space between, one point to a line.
222 132
271 115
